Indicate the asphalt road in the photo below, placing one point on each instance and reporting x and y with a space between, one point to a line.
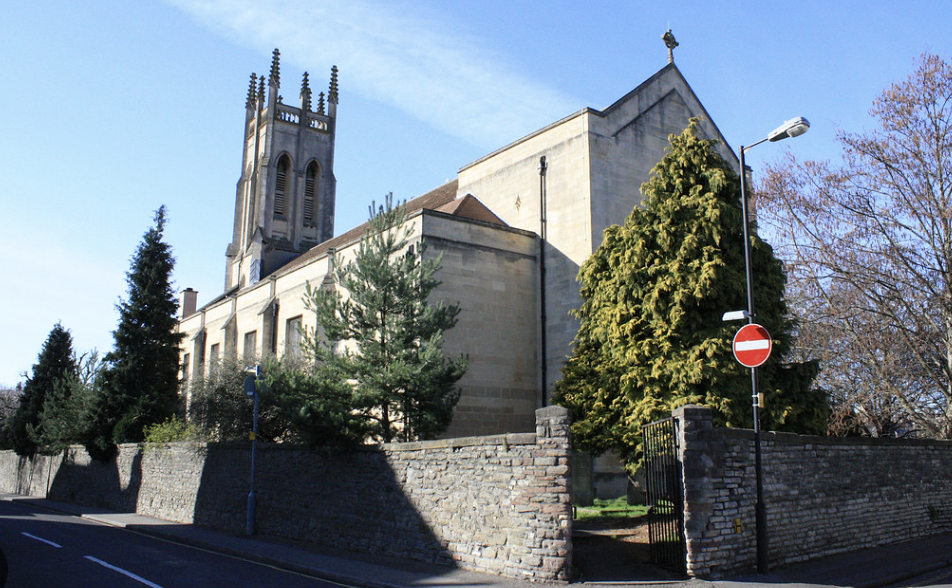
48 549
933 579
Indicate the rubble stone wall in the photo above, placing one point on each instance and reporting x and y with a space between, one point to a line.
823 495
498 504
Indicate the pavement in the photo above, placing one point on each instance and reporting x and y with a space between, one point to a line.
871 568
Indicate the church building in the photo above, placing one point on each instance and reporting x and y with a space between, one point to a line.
513 228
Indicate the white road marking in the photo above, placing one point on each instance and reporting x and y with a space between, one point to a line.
47 541
124 572
751 345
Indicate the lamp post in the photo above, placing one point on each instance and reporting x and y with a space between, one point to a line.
791 128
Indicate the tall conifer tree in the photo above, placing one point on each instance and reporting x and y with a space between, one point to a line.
55 364
393 335
652 336
65 414
140 382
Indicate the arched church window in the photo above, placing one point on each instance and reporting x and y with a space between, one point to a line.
310 190
281 183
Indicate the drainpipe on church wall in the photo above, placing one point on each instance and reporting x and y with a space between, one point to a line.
274 328
542 239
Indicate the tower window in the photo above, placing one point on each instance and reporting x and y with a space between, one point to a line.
310 189
280 184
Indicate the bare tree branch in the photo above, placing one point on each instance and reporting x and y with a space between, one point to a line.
868 247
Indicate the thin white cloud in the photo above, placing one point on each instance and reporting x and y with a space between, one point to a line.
396 54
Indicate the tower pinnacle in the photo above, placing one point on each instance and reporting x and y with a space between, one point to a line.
250 101
332 92
305 94
275 79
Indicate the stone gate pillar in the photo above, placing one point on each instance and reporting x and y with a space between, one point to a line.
696 423
548 495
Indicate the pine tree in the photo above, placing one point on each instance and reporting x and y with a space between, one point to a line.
654 293
316 403
140 381
55 364
386 336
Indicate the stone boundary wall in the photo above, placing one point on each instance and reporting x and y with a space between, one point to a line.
498 504
823 495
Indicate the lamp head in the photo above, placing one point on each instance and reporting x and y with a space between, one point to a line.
792 128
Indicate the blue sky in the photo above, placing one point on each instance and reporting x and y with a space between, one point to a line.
111 109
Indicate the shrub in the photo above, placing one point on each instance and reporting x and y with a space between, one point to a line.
171 430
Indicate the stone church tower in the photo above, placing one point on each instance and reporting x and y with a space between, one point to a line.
285 198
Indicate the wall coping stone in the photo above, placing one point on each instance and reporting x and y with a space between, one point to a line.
797 439
489 440
507 439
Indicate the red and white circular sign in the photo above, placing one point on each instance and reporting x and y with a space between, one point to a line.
752 345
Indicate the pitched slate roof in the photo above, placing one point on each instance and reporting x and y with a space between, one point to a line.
442 199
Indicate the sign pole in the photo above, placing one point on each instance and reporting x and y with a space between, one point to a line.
791 128
251 389
760 510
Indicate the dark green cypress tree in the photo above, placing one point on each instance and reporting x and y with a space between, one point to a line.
65 412
403 384
654 293
55 365
139 385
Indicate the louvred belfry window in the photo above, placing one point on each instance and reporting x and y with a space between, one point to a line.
280 184
310 188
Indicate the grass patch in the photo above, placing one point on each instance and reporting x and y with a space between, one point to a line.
617 508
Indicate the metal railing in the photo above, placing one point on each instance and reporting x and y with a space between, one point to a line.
665 494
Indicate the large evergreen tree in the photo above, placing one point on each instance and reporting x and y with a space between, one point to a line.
66 410
654 293
55 364
140 381
385 336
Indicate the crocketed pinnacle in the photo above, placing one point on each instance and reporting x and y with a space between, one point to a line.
332 93
250 102
320 103
305 93
275 79
261 89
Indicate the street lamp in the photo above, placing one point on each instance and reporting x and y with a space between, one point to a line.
791 128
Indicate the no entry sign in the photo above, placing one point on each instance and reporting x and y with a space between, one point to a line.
752 345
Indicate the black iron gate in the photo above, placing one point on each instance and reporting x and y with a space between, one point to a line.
665 494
